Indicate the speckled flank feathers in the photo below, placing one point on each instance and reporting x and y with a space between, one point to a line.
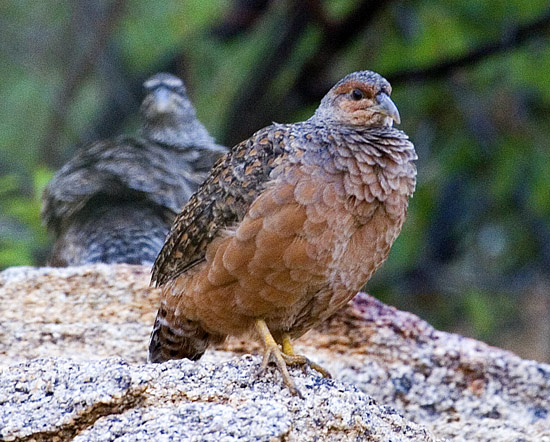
115 199
289 225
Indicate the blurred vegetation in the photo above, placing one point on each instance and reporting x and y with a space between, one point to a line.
471 80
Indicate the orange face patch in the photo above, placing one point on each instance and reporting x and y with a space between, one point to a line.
368 89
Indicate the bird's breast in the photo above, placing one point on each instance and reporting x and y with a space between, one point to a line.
361 195
351 223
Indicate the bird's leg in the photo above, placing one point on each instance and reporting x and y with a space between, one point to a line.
272 351
292 358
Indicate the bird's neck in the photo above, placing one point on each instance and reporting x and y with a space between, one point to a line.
180 134
380 143
378 162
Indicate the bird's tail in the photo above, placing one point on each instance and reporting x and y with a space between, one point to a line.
186 340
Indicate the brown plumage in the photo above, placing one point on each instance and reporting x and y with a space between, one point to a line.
290 224
115 200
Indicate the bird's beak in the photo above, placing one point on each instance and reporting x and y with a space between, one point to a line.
386 107
163 100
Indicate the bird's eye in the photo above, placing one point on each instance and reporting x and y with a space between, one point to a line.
357 94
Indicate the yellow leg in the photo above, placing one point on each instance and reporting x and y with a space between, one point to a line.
287 346
272 351
292 358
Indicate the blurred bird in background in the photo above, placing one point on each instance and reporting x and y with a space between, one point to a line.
115 200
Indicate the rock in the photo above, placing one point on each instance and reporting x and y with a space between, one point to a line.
47 398
460 388
85 312
111 400
444 385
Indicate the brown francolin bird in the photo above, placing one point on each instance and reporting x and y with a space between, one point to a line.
288 227
116 199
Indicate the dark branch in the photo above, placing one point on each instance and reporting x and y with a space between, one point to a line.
512 39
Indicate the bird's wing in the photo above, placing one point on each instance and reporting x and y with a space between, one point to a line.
236 180
122 168
75 184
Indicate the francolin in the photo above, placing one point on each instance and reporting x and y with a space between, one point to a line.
288 227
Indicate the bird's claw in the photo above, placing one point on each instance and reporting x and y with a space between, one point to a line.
304 362
285 357
273 353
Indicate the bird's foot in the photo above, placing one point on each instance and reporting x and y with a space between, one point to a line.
302 361
291 358
273 353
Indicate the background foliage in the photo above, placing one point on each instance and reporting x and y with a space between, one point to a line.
471 80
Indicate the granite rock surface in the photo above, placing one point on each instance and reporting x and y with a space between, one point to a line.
395 376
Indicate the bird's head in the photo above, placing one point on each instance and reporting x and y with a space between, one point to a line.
166 99
360 99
